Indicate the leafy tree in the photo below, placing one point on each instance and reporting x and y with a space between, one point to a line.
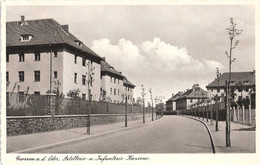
73 93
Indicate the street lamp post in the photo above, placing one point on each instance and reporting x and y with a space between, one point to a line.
217 110
126 107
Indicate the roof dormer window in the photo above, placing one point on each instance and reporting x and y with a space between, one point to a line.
111 68
79 43
246 82
26 37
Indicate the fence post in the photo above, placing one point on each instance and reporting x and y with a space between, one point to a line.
243 113
234 114
250 117
238 114
207 113
51 104
211 114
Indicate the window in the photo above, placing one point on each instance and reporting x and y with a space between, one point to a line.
118 81
79 43
246 89
111 79
37 76
83 96
26 37
218 90
21 57
190 100
75 78
21 97
7 57
128 88
37 56
83 62
37 93
21 76
211 90
128 97
83 79
100 90
55 74
114 80
75 59
118 92
114 91
111 91
55 54
7 76
246 82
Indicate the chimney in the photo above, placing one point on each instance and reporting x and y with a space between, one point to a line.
172 94
22 18
65 27
104 58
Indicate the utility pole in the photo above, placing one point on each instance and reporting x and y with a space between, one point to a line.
143 94
90 80
152 101
232 32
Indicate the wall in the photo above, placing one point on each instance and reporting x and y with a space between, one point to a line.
130 93
214 92
107 84
70 67
29 66
27 125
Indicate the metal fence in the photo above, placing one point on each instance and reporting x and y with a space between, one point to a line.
37 105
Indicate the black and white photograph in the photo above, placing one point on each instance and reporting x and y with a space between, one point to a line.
122 83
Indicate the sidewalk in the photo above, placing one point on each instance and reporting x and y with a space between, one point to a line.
243 137
61 137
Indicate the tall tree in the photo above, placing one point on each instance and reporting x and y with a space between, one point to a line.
233 32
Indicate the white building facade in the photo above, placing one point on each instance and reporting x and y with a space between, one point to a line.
42 54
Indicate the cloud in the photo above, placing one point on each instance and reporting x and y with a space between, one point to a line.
158 65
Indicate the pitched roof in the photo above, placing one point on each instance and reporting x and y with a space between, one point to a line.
245 78
44 31
128 83
195 92
106 68
174 97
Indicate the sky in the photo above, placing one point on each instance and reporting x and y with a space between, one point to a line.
165 48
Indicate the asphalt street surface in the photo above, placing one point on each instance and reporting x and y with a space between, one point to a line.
170 134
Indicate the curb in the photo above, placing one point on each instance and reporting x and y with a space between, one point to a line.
210 135
49 146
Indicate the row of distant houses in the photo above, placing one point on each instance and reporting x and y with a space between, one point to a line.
242 85
42 56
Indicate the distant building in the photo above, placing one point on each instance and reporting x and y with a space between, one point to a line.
40 53
171 103
111 82
241 83
191 96
129 90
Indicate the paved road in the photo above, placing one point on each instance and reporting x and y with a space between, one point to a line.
170 134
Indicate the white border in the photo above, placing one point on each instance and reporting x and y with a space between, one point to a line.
182 159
